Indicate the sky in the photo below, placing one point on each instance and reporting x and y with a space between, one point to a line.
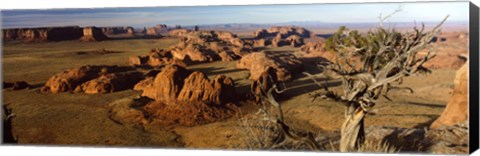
260 14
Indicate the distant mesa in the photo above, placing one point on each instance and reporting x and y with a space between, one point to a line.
117 30
93 34
89 33
43 34
46 34
279 36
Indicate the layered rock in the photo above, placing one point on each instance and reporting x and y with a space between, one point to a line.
266 81
186 98
151 31
314 53
156 58
178 32
43 34
285 65
109 83
93 80
206 46
70 79
167 84
194 52
93 34
117 30
198 88
283 31
457 107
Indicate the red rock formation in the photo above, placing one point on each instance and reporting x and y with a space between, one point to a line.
117 30
457 107
284 64
259 87
224 35
260 43
178 32
43 34
187 99
108 83
156 58
93 79
283 31
194 52
228 56
198 88
151 31
70 79
147 82
167 84
93 34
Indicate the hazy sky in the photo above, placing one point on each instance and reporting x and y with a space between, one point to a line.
139 17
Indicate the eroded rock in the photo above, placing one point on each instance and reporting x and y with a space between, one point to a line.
284 64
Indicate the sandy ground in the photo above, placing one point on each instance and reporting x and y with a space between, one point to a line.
79 119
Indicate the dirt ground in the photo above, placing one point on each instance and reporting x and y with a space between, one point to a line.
80 119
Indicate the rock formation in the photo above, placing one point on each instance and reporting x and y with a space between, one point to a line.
187 98
93 80
117 30
167 84
43 34
283 31
198 88
457 107
206 46
68 80
151 31
178 32
260 86
284 64
93 34
108 83
156 58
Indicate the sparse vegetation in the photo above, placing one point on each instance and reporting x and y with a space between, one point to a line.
368 65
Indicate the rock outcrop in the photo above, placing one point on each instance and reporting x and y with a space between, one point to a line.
108 83
117 30
93 34
207 46
43 34
93 80
187 98
179 32
68 80
457 107
156 58
167 84
285 65
266 81
283 31
198 88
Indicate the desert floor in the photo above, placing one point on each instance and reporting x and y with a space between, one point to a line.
80 119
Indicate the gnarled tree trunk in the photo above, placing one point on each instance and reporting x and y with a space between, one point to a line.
352 132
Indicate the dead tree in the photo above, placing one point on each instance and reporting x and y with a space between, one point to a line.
368 65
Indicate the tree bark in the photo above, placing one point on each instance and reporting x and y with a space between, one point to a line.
352 133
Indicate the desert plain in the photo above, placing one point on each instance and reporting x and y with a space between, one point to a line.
100 112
